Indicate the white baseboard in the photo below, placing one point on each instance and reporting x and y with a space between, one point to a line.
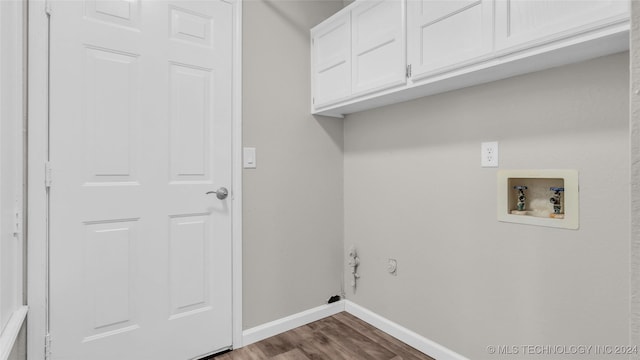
10 334
279 326
401 333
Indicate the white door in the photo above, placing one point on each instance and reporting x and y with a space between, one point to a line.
140 130
442 35
378 55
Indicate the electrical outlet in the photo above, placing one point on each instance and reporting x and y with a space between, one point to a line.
489 154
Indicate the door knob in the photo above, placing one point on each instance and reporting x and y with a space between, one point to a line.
221 193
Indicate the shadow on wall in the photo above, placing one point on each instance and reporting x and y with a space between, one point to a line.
333 128
299 25
548 104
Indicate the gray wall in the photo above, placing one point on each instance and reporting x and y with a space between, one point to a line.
415 191
293 213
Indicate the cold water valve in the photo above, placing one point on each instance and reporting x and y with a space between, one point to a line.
556 201
521 205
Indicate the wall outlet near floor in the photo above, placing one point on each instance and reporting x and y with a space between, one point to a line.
489 154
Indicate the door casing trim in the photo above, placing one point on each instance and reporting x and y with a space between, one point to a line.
38 152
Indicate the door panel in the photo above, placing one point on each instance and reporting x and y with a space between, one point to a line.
190 133
331 58
190 279
520 22
443 34
110 292
125 13
140 130
192 27
110 113
378 47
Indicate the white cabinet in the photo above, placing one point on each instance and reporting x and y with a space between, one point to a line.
525 23
442 34
331 60
358 51
377 51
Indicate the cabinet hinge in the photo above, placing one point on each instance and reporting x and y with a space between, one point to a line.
47 347
408 71
47 174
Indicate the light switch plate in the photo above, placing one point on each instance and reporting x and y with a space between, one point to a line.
249 158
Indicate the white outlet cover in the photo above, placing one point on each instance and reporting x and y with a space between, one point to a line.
489 154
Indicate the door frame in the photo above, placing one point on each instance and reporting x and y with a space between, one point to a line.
38 155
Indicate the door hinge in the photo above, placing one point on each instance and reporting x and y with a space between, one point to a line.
313 101
47 174
47 346
16 225
408 71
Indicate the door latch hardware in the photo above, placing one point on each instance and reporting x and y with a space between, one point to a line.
221 193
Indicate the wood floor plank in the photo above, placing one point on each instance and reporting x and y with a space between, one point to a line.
338 337
294 354
334 348
394 345
250 352
407 352
316 345
352 339
276 345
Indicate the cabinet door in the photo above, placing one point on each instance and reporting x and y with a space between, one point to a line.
442 34
522 22
331 60
378 53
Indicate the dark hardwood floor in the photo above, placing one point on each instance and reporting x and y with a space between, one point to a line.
341 336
